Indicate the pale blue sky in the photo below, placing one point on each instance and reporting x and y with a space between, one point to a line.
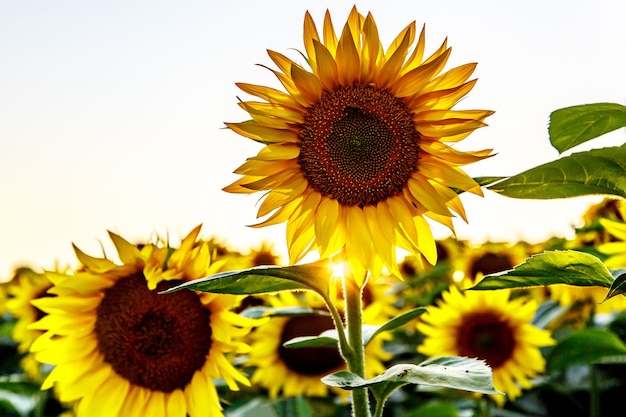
111 113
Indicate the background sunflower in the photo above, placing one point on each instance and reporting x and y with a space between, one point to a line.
120 348
297 371
488 325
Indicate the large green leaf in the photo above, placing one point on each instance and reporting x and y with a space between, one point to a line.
314 276
585 347
447 371
574 125
598 171
553 267
619 285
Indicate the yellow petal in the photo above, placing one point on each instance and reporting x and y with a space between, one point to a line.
307 84
330 36
418 53
415 80
427 195
391 68
98 265
325 223
264 134
326 67
127 252
310 37
272 95
348 61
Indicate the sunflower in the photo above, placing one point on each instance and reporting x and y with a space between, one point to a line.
616 250
26 286
297 371
488 325
593 232
120 348
476 261
357 148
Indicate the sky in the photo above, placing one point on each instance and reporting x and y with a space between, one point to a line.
111 113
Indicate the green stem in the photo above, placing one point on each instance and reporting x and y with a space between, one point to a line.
379 409
484 407
356 361
594 394
344 346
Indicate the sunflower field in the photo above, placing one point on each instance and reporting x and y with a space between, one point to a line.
358 158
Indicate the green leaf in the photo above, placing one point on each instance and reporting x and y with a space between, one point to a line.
328 338
259 312
586 347
314 276
574 125
369 332
482 181
553 267
447 371
619 285
22 397
598 171
436 408
282 407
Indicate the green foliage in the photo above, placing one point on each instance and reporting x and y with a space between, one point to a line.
369 332
259 312
329 338
286 407
553 267
436 409
574 125
598 171
619 285
587 347
314 276
446 372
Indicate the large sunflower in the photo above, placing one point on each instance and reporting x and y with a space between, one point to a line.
356 152
297 371
120 348
488 325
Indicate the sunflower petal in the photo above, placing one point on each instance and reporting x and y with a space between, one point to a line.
348 60
310 37
326 67
308 84
264 134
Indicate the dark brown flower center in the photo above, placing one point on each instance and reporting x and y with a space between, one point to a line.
490 263
358 145
313 360
152 340
486 336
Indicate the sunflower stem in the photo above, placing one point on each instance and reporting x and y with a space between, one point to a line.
356 361
594 408
344 346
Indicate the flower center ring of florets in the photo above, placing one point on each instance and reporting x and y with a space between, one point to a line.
152 340
359 145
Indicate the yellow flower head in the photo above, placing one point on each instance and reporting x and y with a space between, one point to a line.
357 147
26 286
297 371
488 325
120 348
616 249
